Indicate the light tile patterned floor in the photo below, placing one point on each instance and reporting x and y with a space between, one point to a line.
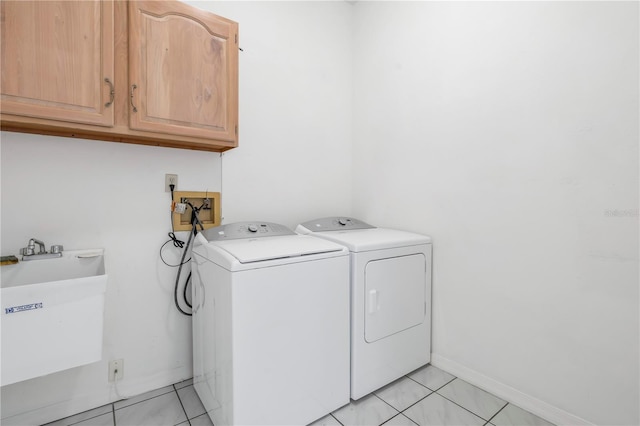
172 405
428 396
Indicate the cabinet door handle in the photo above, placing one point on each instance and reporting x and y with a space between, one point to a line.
112 92
133 87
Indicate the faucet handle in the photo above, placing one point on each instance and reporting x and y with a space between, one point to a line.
57 248
27 251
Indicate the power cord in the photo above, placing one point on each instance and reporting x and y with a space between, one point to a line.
171 188
172 237
115 387
176 243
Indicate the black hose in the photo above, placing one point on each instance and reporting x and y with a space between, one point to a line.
175 293
184 295
195 221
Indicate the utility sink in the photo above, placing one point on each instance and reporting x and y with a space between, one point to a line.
52 314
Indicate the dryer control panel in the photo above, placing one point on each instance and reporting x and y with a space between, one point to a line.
240 230
337 223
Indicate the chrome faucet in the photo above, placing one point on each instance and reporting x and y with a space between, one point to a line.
29 252
33 242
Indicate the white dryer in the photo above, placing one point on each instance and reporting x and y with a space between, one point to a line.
270 325
390 299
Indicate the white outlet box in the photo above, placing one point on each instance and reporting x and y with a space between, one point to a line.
169 180
116 370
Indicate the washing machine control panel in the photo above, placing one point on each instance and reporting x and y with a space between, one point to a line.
239 230
337 223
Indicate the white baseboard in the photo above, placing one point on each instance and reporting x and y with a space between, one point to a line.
527 402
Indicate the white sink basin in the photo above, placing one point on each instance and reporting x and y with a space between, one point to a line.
52 314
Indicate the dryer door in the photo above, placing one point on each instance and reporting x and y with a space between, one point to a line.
395 295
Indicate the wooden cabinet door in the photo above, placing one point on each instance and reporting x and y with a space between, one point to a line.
55 58
183 71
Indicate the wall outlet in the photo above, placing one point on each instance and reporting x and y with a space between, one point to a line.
170 180
116 370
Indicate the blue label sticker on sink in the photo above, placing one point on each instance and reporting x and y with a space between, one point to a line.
29 307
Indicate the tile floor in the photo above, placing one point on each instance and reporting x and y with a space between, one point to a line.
428 396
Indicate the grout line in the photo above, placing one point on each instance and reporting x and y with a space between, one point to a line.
410 419
421 399
498 412
113 407
181 404
475 414
205 414
397 415
445 384
83 420
143 400
432 390
394 408
374 394
466 409
331 414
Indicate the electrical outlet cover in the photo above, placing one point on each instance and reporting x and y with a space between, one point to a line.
116 370
168 180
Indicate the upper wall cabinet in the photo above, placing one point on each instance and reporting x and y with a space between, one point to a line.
150 72
183 71
57 60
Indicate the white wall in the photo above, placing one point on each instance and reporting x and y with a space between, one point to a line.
509 132
293 163
87 194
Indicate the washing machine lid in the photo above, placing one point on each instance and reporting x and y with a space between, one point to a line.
243 245
272 248
244 230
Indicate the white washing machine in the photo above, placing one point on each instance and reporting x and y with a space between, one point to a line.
390 299
270 325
